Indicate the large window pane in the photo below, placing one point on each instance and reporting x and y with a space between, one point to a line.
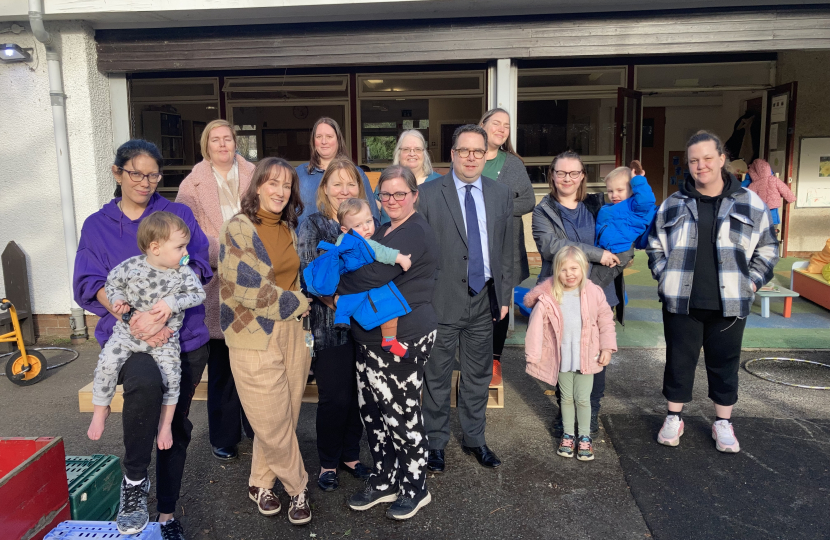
382 121
282 130
548 127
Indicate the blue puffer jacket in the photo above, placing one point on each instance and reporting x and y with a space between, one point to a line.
621 224
370 309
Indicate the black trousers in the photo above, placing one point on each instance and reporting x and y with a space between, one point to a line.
339 428
719 336
500 328
143 391
226 418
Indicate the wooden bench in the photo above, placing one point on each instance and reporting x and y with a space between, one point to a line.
813 287
779 292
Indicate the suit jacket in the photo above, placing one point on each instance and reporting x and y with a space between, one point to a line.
438 203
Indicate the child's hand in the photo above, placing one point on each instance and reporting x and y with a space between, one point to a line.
162 310
120 307
605 357
404 260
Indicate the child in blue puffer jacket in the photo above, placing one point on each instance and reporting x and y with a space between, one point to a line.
625 220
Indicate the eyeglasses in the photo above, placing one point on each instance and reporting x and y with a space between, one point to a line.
573 174
138 177
464 152
399 196
416 150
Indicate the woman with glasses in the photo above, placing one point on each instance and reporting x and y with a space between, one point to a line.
505 166
339 429
108 238
412 152
212 190
390 386
567 217
327 143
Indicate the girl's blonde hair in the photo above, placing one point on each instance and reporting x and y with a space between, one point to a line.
564 254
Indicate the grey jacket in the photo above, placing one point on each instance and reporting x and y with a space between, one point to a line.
438 204
514 175
550 237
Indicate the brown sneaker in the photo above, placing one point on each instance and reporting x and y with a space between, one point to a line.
496 380
266 500
299 510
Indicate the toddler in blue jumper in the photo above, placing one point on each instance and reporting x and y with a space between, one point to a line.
355 215
624 220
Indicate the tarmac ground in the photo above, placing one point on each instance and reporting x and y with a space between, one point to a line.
777 487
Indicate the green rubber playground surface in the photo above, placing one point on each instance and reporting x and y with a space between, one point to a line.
807 328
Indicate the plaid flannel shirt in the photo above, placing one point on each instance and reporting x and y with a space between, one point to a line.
747 250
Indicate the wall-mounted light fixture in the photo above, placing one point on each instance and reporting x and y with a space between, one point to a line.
11 52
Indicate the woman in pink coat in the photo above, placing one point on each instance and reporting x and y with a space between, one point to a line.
212 191
570 337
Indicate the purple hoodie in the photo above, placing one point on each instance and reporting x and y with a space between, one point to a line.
108 238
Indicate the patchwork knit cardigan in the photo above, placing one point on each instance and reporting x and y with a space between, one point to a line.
250 301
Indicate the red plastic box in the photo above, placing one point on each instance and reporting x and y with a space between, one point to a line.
34 495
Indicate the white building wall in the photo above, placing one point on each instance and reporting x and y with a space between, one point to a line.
809 227
29 189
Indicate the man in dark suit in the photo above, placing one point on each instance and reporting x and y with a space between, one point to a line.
473 218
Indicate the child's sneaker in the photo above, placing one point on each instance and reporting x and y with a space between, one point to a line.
586 449
724 435
566 446
394 346
671 431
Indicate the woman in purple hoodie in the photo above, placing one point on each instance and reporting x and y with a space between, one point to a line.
108 238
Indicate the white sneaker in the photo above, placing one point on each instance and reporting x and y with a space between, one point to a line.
724 435
671 431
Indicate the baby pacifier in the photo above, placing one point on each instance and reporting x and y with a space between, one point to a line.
184 260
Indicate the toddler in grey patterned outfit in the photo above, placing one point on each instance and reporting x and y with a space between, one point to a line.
161 282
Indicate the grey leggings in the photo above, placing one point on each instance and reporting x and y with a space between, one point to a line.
575 388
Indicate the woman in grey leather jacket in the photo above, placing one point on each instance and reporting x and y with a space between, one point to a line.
567 217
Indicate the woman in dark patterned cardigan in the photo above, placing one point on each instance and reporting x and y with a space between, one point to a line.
339 428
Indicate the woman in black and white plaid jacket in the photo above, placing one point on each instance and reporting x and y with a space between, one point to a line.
711 247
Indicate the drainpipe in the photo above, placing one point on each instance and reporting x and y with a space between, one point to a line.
58 98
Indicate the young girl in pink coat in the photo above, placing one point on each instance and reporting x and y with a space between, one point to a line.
570 337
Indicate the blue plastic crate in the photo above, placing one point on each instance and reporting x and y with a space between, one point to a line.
100 530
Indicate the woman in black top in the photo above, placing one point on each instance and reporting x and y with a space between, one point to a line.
389 387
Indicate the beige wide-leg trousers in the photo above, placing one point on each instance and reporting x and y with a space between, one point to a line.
270 384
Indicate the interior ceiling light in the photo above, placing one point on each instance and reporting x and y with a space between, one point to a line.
374 81
12 52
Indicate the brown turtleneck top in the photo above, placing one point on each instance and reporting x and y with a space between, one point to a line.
279 244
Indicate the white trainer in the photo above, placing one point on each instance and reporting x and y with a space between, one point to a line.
724 435
671 431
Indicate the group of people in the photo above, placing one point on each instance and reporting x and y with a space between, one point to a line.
269 275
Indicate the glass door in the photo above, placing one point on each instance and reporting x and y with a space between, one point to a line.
628 126
780 140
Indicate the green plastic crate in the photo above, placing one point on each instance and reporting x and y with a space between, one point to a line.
94 486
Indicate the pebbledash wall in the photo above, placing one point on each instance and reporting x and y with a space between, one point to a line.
30 213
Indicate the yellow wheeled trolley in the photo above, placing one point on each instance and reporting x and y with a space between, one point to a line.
24 368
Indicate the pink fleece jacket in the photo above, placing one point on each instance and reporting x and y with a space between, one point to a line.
200 192
544 331
768 186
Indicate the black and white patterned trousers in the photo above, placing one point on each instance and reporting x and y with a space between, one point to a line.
389 395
